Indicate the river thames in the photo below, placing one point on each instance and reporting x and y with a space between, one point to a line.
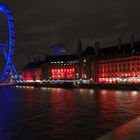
28 113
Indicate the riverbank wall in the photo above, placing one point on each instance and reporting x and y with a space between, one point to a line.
86 86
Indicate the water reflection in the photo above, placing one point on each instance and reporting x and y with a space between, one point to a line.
62 111
49 113
117 107
8 114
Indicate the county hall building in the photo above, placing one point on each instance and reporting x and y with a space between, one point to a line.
117 64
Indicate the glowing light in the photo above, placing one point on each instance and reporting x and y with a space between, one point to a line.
91 91
43 88
63 72
134 93
103 91
38 81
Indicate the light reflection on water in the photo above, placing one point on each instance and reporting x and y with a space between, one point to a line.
53 113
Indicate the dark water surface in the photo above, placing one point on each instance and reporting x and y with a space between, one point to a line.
65 114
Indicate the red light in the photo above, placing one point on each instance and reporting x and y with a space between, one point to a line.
64 72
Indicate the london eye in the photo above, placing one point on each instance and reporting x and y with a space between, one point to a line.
8 49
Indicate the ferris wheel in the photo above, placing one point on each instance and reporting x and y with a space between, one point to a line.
9 48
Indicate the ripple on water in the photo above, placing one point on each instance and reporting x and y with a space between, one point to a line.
45 113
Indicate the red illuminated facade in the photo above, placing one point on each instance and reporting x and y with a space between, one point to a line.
119 70
112 65
27 75
64 72
32 75
53 68
119 64
64 67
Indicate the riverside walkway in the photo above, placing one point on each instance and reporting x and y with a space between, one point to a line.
129 131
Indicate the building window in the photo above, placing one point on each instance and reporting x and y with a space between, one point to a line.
67 72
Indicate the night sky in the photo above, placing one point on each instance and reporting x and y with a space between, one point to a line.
42 23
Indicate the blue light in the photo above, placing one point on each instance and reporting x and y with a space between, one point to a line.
9 68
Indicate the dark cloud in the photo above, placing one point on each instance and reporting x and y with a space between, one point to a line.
42 23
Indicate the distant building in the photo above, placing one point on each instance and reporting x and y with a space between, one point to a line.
32 71
112 65
119 64
65 67
86 61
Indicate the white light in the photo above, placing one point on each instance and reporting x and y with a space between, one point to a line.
134 93
44 88
103 91
118 92
125 80
38 81
29 87
91 91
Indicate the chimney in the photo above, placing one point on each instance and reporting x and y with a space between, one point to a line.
79 48
97 47
132 41
120 42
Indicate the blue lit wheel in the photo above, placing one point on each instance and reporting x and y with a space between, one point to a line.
8 49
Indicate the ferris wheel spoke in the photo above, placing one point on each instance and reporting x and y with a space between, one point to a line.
11 70
3 45
5 53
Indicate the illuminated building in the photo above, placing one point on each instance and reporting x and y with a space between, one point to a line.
33 71
63 67
87 61
119 64
112 65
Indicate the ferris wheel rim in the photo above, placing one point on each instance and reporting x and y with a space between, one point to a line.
9 67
